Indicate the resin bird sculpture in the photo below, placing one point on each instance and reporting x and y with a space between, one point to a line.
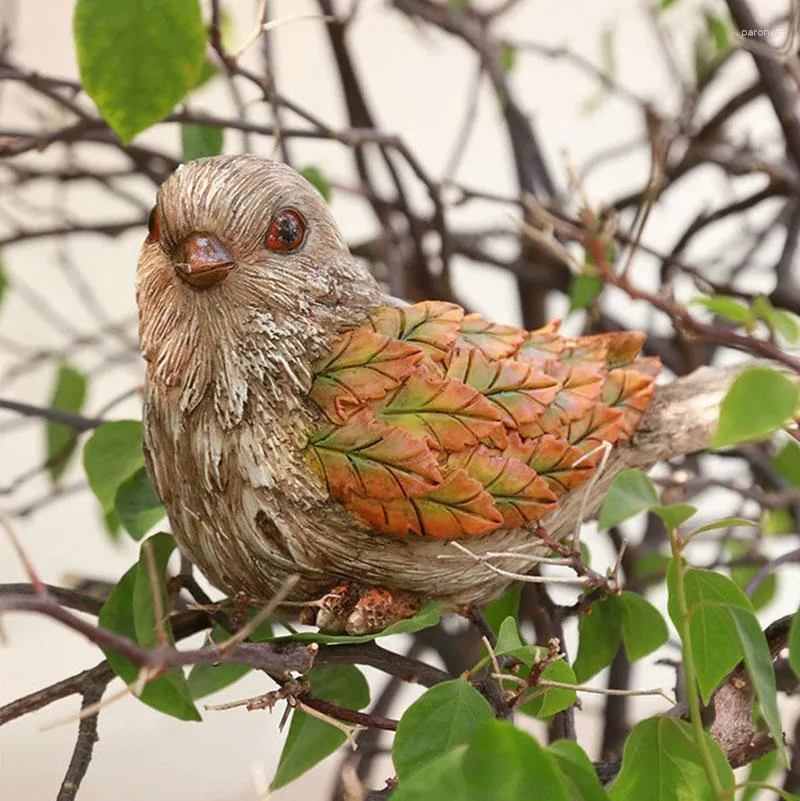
299 421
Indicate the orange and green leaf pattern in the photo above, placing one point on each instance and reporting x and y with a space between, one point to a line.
440 424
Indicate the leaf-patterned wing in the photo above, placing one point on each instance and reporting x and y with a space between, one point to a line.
368 457
520 391
459 508
579 390
492 340
521 495
630 391
447 414
447 426
562 465
363 365
432 326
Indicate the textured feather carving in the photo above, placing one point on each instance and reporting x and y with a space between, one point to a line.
447 426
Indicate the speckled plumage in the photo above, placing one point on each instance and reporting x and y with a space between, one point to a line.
253 383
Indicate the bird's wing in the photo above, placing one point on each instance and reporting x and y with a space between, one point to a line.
443 425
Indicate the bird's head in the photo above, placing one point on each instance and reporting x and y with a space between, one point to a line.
243 274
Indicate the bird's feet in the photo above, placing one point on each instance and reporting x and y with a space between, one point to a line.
351 609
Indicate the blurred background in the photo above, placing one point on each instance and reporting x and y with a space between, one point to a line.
604 85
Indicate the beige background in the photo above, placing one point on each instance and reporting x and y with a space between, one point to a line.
417 83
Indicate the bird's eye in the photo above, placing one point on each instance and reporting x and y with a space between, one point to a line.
153 226
287 231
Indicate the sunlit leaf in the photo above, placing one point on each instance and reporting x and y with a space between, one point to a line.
759 402
198 141
310 739
137 505
317 180
724 629
68 395
508 57
599 635
443 718
112 454
630 493
583 290
506 764
675 514
782 322
662 762
169 693
577 771
730 308
137 58
787 462
643 627
549 700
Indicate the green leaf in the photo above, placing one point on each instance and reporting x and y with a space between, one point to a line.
68 395
743 573
775 522
759 402
724 628
630 492
508 638
643 628
198 141
310 739
204 680
760 771
441 719
506 764
661 762
787 462
137 505
161 547
426 617
508 57
549 700
675 514
782 322
794 645
714 640
441 778
729 308
599 635
168 693
652 566
317 180
723 522
507 605
112 454
138 58
719 31
577 771
583 291
664 4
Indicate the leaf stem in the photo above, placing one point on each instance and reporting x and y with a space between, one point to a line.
692 693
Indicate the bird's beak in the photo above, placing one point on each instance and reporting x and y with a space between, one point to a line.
205 261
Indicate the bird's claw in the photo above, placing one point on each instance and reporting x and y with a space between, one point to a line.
350 609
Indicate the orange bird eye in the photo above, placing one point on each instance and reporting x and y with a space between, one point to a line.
287 231
153 226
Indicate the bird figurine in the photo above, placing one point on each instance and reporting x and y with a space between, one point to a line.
297 421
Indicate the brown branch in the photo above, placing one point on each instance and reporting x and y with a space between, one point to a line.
84 745
348 715
778 86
